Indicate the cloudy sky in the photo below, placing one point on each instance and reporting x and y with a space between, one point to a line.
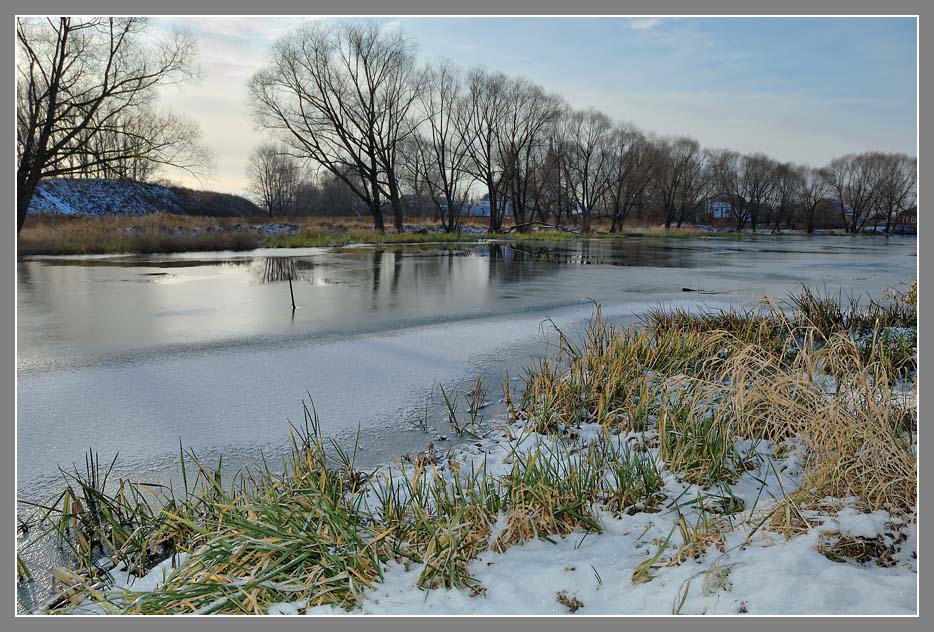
802 89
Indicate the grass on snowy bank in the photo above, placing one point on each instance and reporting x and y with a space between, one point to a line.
668 417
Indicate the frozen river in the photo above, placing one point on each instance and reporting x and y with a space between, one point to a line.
133 354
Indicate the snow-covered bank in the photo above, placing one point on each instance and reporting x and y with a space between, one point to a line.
752 570
98 196
741 566
766 575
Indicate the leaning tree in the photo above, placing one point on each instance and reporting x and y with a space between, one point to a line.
85 93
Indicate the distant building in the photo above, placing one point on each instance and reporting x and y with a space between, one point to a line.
718 207
481 208
477 209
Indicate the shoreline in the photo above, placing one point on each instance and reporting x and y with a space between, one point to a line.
161 233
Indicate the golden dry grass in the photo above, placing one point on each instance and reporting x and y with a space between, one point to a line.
164 232
156 232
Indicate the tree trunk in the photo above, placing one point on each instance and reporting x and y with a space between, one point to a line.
27 181
377 214
494 213
449 223
397 211
23 197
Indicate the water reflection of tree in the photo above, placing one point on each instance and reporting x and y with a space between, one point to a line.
592 252
276 269
379 261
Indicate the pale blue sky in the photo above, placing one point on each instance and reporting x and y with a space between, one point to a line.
801 89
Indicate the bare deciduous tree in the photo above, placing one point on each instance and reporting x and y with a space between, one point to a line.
784 195
82 79
758 183
520 137
137 144
274 178
747 181
587 157
442 152
853 179
485 110
340 95
679 178
812 190
895 187
634 158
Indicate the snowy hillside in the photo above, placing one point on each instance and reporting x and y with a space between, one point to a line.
65 196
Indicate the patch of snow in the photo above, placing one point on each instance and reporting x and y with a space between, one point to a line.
66 196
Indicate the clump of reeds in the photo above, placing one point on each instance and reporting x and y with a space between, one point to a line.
705 380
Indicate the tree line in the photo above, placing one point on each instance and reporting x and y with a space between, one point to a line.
359 126
350 100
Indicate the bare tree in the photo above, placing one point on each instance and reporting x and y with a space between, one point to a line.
854 180
549 194
896 187
759 183
78 78
520 138
634 158
812 190
442 152
679 179
747 181
485 110
587 157
784 195
327 195
274 178
402 85
340 94
137 144
726 172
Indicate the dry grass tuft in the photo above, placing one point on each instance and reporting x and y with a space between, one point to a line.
571 602
847 548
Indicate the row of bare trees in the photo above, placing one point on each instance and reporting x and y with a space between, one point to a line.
349 98
86 102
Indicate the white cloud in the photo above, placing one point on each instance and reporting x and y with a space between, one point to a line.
392 26
644 24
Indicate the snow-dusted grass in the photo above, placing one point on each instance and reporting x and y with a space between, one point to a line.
675 467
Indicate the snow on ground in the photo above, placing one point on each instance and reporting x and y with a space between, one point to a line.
753 571
270 229
756 572
766 576
100 197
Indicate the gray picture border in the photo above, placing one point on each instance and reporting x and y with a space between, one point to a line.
415 7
